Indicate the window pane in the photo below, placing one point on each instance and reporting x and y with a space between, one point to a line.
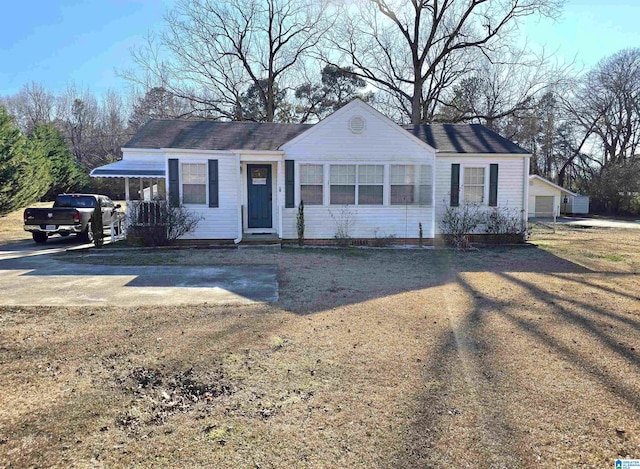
194 173
474 176
402 174
341 195
424 195
425 174
343 174
194 193
473 194
402 194
311 195
311 174
370 195
370 174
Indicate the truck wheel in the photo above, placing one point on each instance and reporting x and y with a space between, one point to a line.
87 235
39 237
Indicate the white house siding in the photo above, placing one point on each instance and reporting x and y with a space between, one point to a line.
538 188
510 180
368 222
382 142
220 222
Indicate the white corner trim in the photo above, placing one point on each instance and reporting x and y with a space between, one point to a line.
239 199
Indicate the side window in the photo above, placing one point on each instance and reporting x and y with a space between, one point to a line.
370 184
473 185
343 184
403 182
194 183
311 184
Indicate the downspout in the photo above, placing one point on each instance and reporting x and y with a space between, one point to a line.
433 194
239 199
525 192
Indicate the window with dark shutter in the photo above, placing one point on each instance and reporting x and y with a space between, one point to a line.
455 185
289 184
493 185
213 184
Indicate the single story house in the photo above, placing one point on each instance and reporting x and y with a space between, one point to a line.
548 200
356 170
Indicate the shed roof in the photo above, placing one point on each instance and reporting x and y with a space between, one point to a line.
130 168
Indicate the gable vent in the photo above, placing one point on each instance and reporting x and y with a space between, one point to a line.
357 125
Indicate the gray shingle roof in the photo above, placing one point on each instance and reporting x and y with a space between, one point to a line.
464 138
212 135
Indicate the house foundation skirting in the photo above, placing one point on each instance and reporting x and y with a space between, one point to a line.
372 242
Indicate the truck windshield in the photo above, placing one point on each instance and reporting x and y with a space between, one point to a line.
78 201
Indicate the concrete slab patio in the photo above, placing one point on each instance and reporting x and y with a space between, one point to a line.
30 276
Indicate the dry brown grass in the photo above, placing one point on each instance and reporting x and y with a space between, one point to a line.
12 225
503 357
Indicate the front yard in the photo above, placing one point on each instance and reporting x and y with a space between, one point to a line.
503 357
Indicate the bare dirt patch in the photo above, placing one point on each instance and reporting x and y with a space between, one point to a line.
503 357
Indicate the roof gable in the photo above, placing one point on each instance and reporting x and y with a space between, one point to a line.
358 108
535 177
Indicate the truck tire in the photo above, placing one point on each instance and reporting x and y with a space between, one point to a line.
87 235
39 237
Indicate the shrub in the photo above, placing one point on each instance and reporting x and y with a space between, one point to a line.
501 224
458 222
159 223
97 230
505 224
382 241
300 223
344 222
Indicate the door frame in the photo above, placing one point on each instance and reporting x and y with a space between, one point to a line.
272 206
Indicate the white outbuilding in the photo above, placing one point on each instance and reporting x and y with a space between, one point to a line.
546 198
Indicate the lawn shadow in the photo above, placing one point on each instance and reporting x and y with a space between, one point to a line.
372 274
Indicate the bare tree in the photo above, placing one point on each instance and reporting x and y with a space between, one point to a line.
607 106
416 50
78 116
214 53
33 105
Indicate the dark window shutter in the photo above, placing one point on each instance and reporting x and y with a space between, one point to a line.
493 185
174 182
288 184
213 184
455 185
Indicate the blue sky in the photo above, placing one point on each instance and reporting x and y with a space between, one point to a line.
86 41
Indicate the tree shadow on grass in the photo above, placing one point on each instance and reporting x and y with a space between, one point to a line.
472 359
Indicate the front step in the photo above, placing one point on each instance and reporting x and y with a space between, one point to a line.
260 238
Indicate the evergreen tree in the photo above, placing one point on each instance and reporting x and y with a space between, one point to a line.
24 173
66 174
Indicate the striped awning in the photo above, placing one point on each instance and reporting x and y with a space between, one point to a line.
130 169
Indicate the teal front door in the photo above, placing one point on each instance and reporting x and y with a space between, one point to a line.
259 196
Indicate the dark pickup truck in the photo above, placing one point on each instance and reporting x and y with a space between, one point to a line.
71 213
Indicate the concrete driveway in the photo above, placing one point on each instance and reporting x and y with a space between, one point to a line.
29 276
600 223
